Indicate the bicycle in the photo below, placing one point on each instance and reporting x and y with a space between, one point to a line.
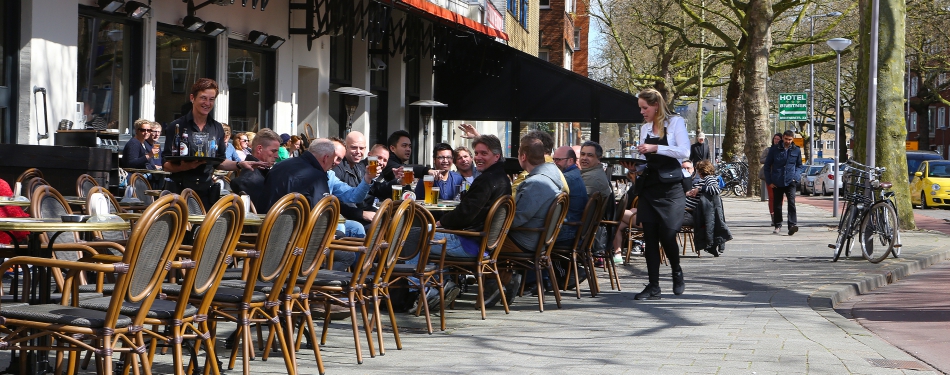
869 212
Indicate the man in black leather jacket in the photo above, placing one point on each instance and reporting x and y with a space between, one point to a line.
490 185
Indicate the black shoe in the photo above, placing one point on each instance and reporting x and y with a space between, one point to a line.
792 229
581 275
451 292
679 286
652 291
511 289
492 295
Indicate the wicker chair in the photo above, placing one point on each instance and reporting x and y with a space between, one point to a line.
580 249
315 238
28 174
195 206
32 184
140 183
140 271
186 310
377 286
613 214
541 258
84 183
426 274
257 300
119 237
633 235
46 202
492 236
341 288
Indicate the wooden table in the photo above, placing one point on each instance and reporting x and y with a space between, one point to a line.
41 278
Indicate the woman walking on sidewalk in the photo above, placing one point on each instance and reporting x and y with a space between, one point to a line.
662 204
776 139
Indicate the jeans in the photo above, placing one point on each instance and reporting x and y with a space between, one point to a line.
777 193
353 228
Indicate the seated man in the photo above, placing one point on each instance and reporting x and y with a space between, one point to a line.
352 170
566 161
592 170
308 176
534 197
251 181
471 212
448 181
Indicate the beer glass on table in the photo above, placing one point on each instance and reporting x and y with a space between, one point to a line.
397 192
432 197
407 175
427 182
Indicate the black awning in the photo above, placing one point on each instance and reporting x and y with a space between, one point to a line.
529 89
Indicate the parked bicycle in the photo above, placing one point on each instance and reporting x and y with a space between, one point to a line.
870 213
735 176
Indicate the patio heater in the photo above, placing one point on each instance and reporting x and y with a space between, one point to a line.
426 118
351 99
839 45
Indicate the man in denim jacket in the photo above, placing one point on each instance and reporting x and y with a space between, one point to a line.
783 165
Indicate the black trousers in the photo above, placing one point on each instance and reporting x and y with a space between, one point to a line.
777 193
654 235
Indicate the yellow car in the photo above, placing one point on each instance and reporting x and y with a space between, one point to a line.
931 184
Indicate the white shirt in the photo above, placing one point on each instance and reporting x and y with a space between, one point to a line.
676 137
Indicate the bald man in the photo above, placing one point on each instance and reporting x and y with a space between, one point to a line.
352 171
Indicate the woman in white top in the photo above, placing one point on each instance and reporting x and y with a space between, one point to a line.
664 143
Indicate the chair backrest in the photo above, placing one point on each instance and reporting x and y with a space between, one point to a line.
590 221
47 203
32 184
155 237
28 174
138 181
277 239
214 246
554 220
315 239
195 206
425 222
396 237
114 208
84 183
378 227
497 223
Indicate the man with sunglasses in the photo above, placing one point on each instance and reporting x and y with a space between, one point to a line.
137 153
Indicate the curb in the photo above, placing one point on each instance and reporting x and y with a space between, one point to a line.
829 296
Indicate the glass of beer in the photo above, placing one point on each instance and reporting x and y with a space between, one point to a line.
407 175
372 163
397 192
427 182
432 197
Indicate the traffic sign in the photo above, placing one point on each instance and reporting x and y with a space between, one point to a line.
793 106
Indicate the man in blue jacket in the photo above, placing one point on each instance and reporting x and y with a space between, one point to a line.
783 165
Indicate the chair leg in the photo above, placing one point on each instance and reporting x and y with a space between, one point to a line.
501 288
367 326
481 292
289 358
377 321
392 320
539 285
557 292
356 331
313 335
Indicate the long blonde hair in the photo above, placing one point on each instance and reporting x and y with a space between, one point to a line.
654 98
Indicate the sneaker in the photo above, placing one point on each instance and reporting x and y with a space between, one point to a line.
776 230
618 258
679 285
598 262
492 295
512 288
792 229
432 299
452 292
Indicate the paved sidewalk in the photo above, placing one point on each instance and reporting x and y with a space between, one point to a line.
764 307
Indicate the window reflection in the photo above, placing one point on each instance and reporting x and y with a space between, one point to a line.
103 73
180 61
246 89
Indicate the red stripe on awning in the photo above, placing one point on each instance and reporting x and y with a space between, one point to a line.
449 15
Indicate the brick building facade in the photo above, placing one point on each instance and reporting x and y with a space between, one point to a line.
564 25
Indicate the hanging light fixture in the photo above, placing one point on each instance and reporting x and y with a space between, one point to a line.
136 10
273 42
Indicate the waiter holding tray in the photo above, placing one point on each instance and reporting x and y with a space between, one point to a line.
194 147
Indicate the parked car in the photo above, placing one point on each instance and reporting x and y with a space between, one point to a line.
914 158
826 180
930 186
806 185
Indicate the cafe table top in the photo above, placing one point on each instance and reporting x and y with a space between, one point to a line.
442 206
144 171
249 219
11 202
50 225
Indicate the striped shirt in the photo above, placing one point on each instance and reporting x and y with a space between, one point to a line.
707 185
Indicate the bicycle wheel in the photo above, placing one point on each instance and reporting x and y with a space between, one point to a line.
845 227
878 232
896 250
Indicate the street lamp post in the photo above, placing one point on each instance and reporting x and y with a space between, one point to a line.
811 92
837 44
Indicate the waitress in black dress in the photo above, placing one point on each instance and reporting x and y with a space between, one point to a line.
664 143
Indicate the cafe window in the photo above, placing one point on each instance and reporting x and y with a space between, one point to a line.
181 58
109 67
250 87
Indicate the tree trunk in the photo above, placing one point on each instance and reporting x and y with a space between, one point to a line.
754 94
734 138
891 127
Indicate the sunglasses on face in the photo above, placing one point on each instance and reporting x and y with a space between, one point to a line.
144 130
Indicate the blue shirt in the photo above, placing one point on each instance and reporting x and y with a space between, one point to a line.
448 189
230 153
578 200
345 192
